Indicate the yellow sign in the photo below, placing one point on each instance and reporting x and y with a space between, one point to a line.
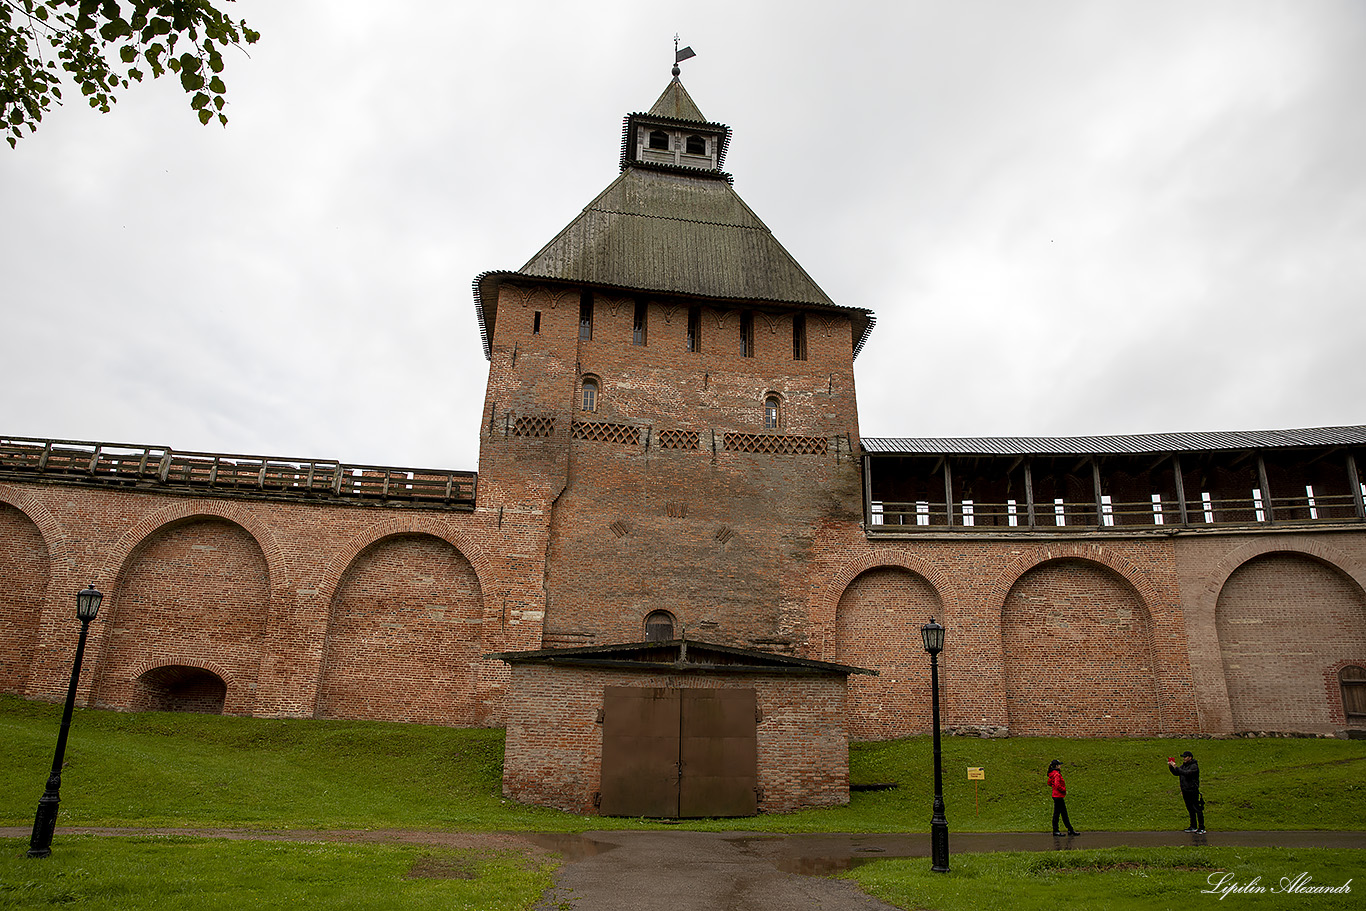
977 773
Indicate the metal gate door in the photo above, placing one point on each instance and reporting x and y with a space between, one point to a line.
670 752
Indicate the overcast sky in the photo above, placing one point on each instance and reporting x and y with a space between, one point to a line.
1069 217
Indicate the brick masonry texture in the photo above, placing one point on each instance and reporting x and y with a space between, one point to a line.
553 754
335 610
749 536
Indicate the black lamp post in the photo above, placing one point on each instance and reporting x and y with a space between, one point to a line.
45 822
933 634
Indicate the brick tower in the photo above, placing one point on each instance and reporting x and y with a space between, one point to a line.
672 398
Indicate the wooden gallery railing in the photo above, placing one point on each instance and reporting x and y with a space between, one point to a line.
138 466
1082 516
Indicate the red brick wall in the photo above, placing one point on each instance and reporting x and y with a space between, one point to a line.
553 753
877 625
23 584
1274 673
1078 654
273 576
986 592
245 589
195 594
1231 599
404 635
321 608
716 537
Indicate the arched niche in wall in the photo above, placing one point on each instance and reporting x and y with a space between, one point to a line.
179 688
404 635
1283 619
877 626
24 569
1078 645
194 592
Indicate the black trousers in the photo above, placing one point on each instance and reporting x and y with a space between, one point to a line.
1060 809
1197 812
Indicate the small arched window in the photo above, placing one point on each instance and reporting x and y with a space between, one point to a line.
1352 679
590 393
659 140
659 626
696 145
772 413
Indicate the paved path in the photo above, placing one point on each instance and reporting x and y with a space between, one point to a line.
731 871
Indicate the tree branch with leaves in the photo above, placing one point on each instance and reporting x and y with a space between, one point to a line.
102 45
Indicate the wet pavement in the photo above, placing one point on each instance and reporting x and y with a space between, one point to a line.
617 871
732 871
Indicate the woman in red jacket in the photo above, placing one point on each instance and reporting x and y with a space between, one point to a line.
1059 798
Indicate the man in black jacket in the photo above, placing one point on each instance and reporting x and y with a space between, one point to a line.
1189 773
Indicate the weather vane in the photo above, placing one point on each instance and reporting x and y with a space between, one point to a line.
680 55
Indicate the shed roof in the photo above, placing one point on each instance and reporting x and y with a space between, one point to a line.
679 655
1127 444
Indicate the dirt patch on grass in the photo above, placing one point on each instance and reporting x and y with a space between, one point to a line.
432 867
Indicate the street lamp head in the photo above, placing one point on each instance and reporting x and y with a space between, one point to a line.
933 634
88 603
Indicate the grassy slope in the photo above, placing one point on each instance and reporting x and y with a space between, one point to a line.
199 770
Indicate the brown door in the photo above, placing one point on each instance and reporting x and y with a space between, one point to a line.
719 753
670 752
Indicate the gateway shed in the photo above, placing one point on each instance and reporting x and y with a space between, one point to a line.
676 728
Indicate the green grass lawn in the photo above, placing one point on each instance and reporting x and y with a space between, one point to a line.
188 771
203 874
1120 879
170 769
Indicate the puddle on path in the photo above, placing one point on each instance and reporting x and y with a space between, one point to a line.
571 846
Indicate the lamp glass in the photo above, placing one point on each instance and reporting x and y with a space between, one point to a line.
88 602
933 634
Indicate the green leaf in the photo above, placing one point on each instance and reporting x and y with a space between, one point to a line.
114 29
216 86
199 101
205 116
191 82
128 53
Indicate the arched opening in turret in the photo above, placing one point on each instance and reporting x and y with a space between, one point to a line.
179 688
696 145
659 140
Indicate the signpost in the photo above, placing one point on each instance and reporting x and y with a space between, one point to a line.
976 774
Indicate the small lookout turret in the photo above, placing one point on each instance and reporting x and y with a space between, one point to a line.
674 135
